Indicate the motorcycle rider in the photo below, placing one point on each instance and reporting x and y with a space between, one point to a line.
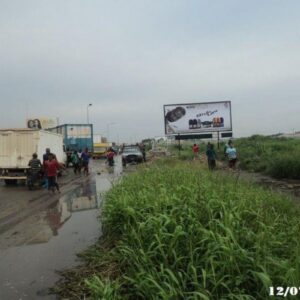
110 156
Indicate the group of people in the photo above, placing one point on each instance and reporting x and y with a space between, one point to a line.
230 154
48 170
80 160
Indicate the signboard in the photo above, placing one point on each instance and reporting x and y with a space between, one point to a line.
81 131
194 136
41 123
197 117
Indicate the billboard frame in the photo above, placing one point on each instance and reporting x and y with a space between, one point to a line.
216 129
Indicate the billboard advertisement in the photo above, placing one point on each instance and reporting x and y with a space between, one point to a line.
41 123
197 117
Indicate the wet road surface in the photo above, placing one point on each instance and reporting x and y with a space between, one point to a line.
41 233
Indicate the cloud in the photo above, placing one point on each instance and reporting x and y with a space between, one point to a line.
130 57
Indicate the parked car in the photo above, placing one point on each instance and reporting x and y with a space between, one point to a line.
131 154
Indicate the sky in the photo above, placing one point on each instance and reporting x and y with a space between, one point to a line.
130 57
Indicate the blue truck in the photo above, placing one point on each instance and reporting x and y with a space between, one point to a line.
75 137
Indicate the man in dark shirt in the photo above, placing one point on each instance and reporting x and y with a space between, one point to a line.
85 158
35 169
35 164
46 155
211 156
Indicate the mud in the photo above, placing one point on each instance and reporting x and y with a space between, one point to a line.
288 187
41 232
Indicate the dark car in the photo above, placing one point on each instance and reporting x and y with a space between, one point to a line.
131 155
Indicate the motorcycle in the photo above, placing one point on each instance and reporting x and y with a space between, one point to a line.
111 161
35 180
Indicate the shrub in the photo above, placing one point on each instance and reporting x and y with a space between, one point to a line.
285 166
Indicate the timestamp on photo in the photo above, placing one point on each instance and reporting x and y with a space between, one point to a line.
284 292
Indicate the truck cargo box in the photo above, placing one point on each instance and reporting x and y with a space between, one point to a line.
18 145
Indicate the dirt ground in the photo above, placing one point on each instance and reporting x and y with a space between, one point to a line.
41 232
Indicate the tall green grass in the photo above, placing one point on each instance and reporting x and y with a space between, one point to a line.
278 157
184 233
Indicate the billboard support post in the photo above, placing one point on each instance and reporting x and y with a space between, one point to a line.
179 145
218 140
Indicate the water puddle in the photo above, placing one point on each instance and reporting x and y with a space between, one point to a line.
48 240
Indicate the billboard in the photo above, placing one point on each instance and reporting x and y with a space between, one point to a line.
41 123
197 117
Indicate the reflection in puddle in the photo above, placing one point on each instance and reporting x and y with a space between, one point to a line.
50 236
82 198
79 194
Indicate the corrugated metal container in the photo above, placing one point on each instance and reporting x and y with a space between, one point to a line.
76 136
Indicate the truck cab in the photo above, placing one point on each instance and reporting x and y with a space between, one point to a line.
100 150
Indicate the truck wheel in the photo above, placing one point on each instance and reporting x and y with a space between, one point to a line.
10 181
124 163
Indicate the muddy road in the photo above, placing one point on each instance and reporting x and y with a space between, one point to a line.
41 232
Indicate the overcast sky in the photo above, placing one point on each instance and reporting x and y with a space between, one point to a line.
130 57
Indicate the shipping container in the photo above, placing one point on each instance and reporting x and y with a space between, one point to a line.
76 136
18 145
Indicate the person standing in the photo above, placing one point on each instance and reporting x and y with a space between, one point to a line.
35 169
211 156
226 147
143 150
110 157
196 151
52 166
231 155
46 158
35 164
46 155
85 158
80 160
75 162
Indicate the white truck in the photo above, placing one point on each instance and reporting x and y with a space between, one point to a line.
17 147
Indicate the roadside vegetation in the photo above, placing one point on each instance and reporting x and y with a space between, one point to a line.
276 157
176 231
